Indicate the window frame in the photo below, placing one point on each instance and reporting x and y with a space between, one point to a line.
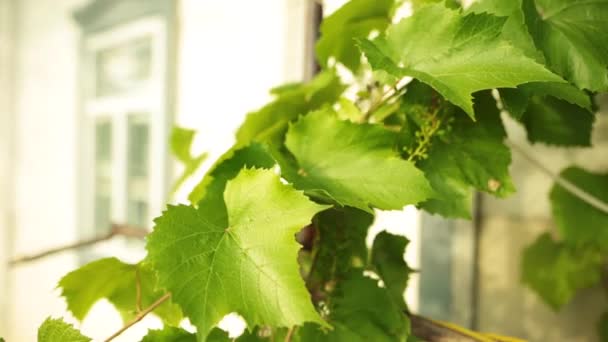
107 24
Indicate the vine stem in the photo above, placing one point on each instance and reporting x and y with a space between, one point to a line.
572 188
432 330
290 333
140 316
393 92
117 230
426 139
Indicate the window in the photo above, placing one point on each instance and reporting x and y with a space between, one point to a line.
125 104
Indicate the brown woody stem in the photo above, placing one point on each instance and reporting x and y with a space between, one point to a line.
117 230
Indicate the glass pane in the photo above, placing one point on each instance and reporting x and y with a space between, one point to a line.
123 67
137 169
103 176
446 269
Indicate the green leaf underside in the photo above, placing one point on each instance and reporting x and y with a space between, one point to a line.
579 222
602 327
227 167
557 122
471 155
169 334
56 330
556 271
572 36
269 123
116 282
360 311
355 164
241 259
457 55
516 100
341 246
388 259
181 143
172 334
356 19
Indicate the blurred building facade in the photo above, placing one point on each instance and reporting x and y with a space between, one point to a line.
88 93
90 90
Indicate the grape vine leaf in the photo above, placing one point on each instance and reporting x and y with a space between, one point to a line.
572 36
355 164
514 30
356 19
457 56
56 330
237 256
258 334
181 145
470 155
417 4
388 259
228 166
578 221
170 334
360 311
341 246
602 327
270 122
515 100
117 282
556 271
553 121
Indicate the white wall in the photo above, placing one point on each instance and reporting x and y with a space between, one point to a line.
45 90
230 54
6 149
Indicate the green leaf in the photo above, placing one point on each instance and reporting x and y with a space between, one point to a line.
115 281
356 19
241 259
170 334
341 247
270 122
417 4
56 330
181 144
557 122
349 111
516 100
553 113
457 55
579 222
470 155
572 36
514 30
227 167
354 164
556 271
602 327
388 259
360 311
258 334
562 91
